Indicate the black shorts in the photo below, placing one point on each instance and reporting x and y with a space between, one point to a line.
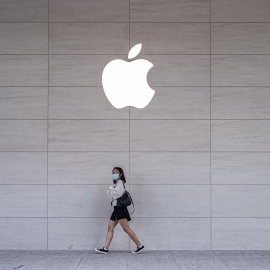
119 213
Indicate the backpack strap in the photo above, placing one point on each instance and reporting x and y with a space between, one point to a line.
130 198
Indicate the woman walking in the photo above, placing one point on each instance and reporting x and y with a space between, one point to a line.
120 214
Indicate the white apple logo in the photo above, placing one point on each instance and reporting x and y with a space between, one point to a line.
125 83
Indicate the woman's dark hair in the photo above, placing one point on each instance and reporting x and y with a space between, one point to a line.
121 172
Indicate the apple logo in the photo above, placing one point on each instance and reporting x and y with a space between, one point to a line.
125 83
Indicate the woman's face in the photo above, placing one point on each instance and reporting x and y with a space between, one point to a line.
115 171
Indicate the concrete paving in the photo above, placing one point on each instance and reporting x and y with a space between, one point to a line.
147 259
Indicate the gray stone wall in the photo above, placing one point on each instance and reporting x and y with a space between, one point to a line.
196 159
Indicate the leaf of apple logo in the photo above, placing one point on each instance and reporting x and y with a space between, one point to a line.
125 83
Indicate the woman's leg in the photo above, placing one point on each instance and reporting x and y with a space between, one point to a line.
124 223
109 237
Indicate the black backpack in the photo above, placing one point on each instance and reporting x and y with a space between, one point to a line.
125 199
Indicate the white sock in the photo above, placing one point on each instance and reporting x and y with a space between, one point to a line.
105 248
140 246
